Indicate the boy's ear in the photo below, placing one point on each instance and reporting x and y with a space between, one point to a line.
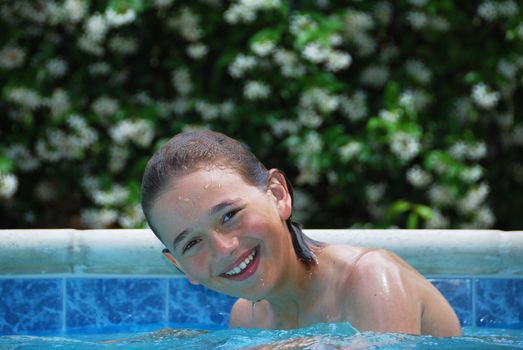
281 193
167 254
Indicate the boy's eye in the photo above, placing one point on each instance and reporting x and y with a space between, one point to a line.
229 215
191 244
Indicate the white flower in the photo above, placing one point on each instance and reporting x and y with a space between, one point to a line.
375 76
300 22
405 146
348 151
133 216
437 220
76 122
118 19
439 24
182 81
355 107
302 205
508 8
23 159
227 108
484 218
519 30
115 196
74 10
388 53
91 46
118 156
418 3
105 106
8 185
418 177
440 195
319 99
507 69
281 127
415 99
46 151
245 10
139 132
56 67
98 218
288 62
458 150
11 56
207 110
484 97
238 13
96 27
357 22
180 105
241 65
375 192
488 11
477 151
517 135
473 199
162 3
263 47
125 46
338 60
90 184
188 24
256 90
417 20
58 102
418 71
383 12
99 68
472 174
24 97
315 52
389 116
197 51
309 118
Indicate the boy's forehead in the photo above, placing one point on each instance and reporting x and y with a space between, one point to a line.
199 189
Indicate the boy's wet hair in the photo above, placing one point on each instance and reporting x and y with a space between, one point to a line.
191 151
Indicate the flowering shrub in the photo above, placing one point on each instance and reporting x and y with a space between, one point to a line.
382 113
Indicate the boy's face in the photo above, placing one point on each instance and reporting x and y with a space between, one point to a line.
225 233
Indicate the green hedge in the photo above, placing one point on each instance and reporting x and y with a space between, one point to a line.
384 114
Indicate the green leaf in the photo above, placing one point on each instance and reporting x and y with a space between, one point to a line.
6 165
122 5
412 221
423 211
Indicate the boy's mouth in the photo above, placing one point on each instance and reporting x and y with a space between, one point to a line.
244 267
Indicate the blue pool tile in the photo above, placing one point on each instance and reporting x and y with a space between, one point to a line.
107 302
499 303
29 305
197 305
458 292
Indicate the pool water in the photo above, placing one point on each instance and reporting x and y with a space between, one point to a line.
320 336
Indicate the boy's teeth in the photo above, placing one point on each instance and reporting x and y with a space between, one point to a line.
242 265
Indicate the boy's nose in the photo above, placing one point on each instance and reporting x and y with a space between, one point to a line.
224 243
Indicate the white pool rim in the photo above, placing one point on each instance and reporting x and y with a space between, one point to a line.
463 253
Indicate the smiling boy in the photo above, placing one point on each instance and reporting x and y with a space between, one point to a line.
226 221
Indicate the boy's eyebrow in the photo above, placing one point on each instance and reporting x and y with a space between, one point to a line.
216 209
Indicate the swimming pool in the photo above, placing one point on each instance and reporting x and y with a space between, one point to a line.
67 282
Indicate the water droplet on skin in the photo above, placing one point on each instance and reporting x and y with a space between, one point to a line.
186 200
179 198
206 186
219 185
